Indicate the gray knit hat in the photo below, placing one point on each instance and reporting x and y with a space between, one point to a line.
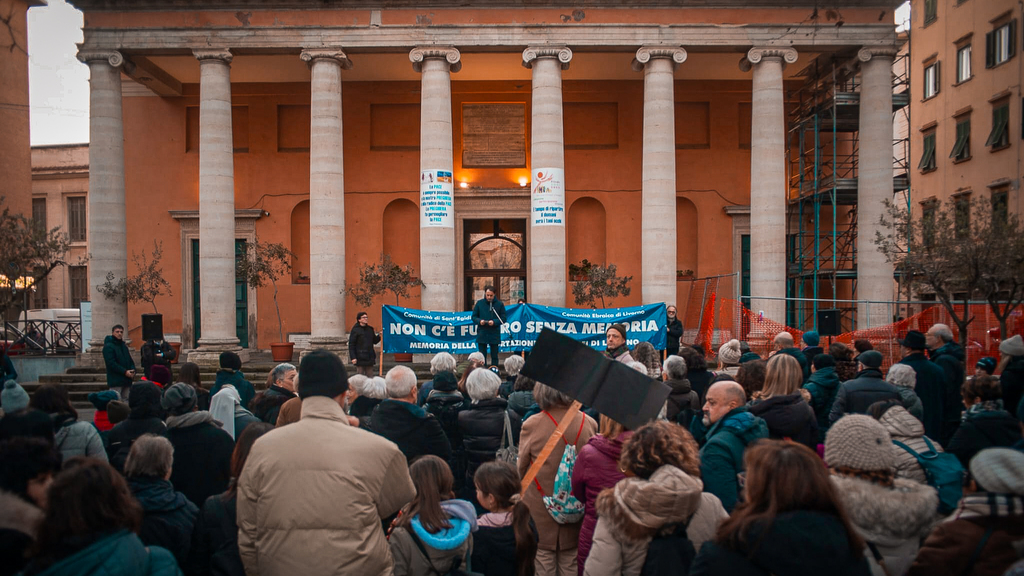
1012 346
178 399
13 398
860 442
730 352
999 470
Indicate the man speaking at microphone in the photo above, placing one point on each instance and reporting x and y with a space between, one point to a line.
488 316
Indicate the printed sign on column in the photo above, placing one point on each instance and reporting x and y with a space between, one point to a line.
548 197
436 199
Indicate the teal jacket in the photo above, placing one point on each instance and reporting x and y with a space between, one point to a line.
121 554
482 311
721 458
118 360
797 353
823 385
246 391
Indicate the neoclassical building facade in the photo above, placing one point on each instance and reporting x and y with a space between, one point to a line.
495 143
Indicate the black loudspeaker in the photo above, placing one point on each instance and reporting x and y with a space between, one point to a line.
828 323
152 327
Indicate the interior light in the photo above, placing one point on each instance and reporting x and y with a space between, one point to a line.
523 180
463 185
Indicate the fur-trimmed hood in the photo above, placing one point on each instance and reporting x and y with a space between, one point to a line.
889 516
16 514
638 508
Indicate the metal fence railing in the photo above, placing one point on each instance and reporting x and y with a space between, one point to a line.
41 337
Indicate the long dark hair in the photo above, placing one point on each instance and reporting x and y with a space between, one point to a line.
189 374
53 399
87 501
243 446
433 480
501 480
782 477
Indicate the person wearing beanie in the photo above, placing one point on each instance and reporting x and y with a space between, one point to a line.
202 450
812 340
1011 374
985 366
988 526
930 383
13 398
855 396
986 424
615 344
100 400
230 372
300 476
729 357
823 386
784 344
146 417
117 412
159 375
891 514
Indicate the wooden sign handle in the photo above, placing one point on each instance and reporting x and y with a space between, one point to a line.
570 415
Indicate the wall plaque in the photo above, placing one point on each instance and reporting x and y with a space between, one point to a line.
494 135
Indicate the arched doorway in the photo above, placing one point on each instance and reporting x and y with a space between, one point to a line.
495 256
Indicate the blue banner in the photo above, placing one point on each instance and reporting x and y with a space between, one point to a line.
407 330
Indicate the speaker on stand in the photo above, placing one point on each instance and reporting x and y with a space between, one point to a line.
152 327
828 324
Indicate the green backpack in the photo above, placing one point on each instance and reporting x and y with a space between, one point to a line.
944 473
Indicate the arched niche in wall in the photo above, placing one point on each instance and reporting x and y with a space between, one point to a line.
686 235
402 233
300 242
587 235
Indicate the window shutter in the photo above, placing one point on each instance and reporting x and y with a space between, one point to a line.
1013 37
938 77
990 49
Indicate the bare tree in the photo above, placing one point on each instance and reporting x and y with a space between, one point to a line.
379 278
146 285
28 253
598 282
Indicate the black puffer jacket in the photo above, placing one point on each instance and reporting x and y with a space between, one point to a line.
146 418
1012 382
682 398
788 416
481 426
983 428
856 395
215 540
360 345
410 427
167 516
202 459
267 404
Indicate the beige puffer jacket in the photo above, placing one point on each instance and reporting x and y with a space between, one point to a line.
632 513
312 495
904 427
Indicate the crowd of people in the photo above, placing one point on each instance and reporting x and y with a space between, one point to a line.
809 461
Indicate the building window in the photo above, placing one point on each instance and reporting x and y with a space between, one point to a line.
928 223
79 276
1000 206
1001 44
999 137
931 80
927 163
76 219
962 147
963 63
39 212
931 11
962 216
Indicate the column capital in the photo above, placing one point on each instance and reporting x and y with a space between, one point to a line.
866 53
222 54
113 57
449 54
758 53
562 53
645 54
309 55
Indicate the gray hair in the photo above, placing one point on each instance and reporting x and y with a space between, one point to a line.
280 370
547 397
375 388
942 331
675 367
482 385
902 375
356 382
513 364
401 381
478 357
442 362
151 455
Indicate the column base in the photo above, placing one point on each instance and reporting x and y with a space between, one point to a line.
207 355
335 344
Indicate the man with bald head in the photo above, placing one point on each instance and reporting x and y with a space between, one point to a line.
784 344
732 429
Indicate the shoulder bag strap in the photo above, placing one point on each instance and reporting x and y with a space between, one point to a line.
555 422
907 448
507 433
423 550
977 551
878 558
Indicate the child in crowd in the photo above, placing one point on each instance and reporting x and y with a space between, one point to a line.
506 541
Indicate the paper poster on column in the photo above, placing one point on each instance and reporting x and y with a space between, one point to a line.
547 196
436 199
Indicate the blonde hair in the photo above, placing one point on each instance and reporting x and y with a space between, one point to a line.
609 428
783 376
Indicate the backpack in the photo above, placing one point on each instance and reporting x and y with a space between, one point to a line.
507 452
561 504
944 473
445 406
671 553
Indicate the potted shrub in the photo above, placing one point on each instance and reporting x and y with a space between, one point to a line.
379 278
263 263
683 275
599 283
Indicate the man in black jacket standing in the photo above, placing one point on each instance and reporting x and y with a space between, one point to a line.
675 331
949 356
855 396
930 382
488 316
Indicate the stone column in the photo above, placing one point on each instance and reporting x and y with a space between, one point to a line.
547 268
107 228
326 199
768 184
874 184
216 203
658 212
437 239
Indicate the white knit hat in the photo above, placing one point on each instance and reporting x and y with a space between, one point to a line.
1012 346
730 352
860 442
999 470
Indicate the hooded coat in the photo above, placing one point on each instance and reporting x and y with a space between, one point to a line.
76 438
903 427
636 510
202 455
930 388
118 360
445 549
267 404
597 468
983 428
119 554
19 522
789 417
481 427
167 516
799 543
145 418
413 429
823 385
896 520
721 458
680 398
951 358
246 391
951 544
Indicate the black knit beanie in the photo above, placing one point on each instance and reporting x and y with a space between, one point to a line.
321 373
